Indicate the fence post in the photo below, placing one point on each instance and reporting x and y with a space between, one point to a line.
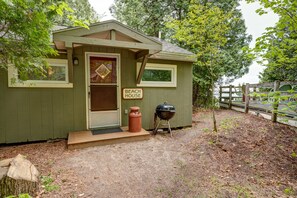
230 96
220 98
247 98
275 101
243 92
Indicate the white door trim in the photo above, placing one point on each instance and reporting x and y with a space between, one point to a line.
87 82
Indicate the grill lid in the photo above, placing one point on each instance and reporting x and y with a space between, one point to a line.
165 107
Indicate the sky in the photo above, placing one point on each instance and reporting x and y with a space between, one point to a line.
255 26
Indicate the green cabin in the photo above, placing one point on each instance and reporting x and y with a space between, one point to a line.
99 74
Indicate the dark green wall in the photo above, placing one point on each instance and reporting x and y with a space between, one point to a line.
180 96
30 114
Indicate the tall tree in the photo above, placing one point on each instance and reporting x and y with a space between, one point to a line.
82 10
25 28
235 57
205 29
151 17
277 47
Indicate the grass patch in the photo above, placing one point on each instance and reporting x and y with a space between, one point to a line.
205 130
20 196
289 191
47 183
228 123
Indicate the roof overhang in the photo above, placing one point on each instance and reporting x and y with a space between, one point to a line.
116 35
109 34
174 56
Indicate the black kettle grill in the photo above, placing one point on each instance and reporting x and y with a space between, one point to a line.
164 112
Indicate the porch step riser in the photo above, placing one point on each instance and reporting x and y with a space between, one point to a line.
108 142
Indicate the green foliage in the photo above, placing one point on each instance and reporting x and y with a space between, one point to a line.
277 47
47 183
228 123
24 196
25 28
20 196
293 154
286 98
205 130
212 142
151 17
289 191
204 30
81 10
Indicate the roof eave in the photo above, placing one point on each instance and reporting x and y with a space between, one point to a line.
174 56
105 22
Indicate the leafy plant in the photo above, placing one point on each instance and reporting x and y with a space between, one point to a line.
277 47
81 10
205 130
25 32
293 154
289 191
228 123
233 57
47 183
212 142
20 196
288 100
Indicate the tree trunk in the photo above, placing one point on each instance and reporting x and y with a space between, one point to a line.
195 94
18 176
214 121
10 186
213 110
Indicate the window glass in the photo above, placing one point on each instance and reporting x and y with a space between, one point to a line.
50 73
55 74
158 75
103 70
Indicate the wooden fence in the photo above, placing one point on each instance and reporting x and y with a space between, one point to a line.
247 97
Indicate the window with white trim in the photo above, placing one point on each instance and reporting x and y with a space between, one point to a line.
53 75
158 75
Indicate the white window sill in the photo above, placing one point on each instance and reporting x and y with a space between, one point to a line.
156 85
42 85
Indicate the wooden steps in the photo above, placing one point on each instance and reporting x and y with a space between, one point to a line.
83 139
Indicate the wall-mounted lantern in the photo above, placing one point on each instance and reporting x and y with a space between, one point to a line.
75 61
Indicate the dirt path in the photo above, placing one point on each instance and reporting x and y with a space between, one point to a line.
243 163
140 169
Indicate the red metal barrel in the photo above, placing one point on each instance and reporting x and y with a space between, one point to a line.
134 119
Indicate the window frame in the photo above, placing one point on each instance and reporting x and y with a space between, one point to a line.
13 73
158 66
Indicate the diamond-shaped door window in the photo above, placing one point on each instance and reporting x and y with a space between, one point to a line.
102 71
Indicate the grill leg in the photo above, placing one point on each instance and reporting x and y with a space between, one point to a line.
156 129
169 128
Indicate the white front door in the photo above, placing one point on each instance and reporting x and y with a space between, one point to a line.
103 90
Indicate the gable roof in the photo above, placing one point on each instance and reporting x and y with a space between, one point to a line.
169 47
105 26
112 33
173 52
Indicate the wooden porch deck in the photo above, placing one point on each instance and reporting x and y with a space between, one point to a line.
83 139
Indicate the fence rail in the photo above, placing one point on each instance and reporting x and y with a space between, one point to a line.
261 97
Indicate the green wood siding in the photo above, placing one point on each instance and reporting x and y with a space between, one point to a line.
180 96
30 114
